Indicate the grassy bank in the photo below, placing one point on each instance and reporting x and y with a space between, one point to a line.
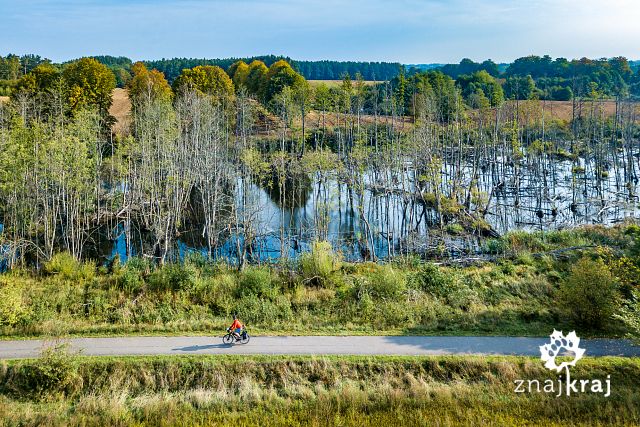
524 284
59 390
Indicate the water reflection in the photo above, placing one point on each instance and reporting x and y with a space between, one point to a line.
563 195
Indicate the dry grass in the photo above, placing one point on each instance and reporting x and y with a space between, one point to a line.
315 120
531 111
4 99
121 110
337 83
269 125
344 391
563 110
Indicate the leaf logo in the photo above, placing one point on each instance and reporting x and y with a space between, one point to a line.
561 344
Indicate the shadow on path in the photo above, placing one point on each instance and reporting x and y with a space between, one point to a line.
201 347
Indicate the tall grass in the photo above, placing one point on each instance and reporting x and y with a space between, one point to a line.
515 294
314 391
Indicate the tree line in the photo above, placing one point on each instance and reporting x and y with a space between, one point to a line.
311 70
559 79
525 78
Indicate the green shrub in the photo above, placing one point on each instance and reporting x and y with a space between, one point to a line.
317 266
257 281
129 279
495 246
217 292
12 307
432 279
590 293
630 315
410 261
253 309
129 276
138 264
386 283
54 373
455 228
461 296
62 264
173 277
66 267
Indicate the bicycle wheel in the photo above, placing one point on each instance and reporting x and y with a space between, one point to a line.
227 339
244 338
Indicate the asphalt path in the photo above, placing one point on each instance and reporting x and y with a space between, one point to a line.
315 345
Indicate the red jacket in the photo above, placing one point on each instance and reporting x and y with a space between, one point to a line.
236 325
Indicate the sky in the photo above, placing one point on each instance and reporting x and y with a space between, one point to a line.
406 31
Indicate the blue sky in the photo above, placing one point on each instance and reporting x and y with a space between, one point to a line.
408 31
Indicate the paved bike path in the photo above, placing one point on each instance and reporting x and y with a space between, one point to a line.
316 345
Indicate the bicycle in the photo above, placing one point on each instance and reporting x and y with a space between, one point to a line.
231 339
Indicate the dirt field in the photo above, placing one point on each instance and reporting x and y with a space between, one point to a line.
563 110
336 83
121 109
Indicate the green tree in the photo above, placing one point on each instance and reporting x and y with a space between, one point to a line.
437 96
239 73
256 77
207 79
40 79
481 83
519 87
590 293
12 307
89 85
279 76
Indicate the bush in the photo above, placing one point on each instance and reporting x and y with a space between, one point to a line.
65 266
217 292
62 264
455 228
590 293
12 307
253 309
318 265
54 373
129 279
257 281
630 315
495 246
386 283
432 279
129 276
173 277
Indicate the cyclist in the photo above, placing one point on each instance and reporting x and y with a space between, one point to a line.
236 327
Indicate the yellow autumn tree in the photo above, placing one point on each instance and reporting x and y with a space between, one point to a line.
89 85
148 85
206 79
239 73
256 77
